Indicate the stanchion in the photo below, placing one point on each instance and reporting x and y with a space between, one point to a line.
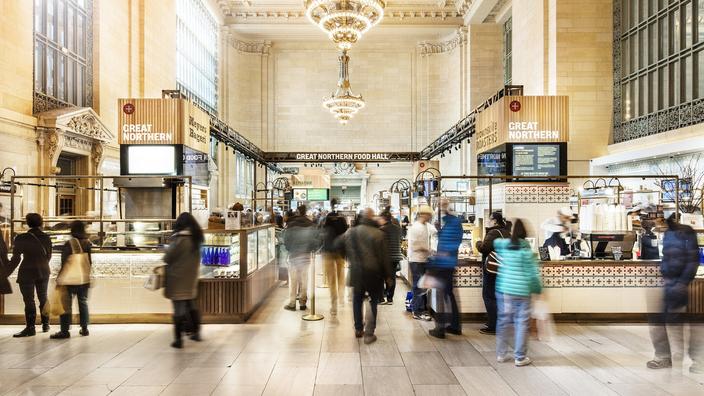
312 316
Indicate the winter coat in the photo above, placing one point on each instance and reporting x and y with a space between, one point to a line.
5 286
365 250
33 249
556 239
518 270
301 236
680 260
182 260
449 240
333 226
66 250
486 246
392 236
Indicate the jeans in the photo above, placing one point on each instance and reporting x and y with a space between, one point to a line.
446 316
420 300
513 310
489 296
368 321
298 279
82 293
667 327
334 266
390 283
30 308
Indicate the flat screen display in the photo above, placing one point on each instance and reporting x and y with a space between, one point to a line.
539 160
668 190
151 160
300 194
318 194
492 163
195 164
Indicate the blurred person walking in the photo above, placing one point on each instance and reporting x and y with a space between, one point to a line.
392 237
518 278
365 250
442 266
333 225
300 239
680 260
31 251
182 260
419 249
498 228
73 253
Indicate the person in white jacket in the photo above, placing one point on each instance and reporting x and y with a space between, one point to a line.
419 249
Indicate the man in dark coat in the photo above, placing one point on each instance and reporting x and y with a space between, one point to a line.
392 236
300 239
497 229
333 225
32 252
680 260
365 250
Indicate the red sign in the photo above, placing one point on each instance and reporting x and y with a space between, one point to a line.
128 108
515 106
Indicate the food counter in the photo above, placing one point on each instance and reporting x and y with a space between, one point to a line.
583 289
229 291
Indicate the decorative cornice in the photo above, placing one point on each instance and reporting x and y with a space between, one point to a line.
89 126
260 47
459 38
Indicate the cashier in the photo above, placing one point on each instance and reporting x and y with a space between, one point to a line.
649 242
556 229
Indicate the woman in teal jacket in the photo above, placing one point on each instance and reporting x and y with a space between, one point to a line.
518 278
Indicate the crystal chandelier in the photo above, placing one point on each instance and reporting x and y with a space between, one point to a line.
343 104
345 21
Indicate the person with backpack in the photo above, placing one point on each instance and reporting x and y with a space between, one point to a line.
77 248
300 239
182 258
498 229
32 253
517 280
392 236
333 225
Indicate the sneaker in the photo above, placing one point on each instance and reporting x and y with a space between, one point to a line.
657 364
26 332
358 333
302 307
503 358
426 317
696 368
84 332
418 316
389 302
437 333
487 331
60 335
290 307
46 328
523 361
453 331
368 339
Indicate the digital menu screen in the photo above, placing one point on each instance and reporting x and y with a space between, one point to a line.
492 163
539 160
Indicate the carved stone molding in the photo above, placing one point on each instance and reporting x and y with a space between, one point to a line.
459 38
89 126
261 47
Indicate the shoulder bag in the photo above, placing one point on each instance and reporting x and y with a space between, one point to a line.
76 269
493 261
157 279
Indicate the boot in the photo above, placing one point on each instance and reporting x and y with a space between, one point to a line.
26 332
178 330
195 319
45 324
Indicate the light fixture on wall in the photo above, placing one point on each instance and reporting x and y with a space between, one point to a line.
345 21
343 104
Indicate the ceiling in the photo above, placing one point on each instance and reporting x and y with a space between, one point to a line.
284 20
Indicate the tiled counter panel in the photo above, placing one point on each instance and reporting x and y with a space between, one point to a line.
117 286
578 287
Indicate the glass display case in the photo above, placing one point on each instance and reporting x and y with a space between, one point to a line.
235 254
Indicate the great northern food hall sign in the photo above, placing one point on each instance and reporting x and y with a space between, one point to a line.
523 119
343 157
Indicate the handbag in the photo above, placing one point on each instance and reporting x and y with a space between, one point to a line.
55 305
157 279
493 261
76 269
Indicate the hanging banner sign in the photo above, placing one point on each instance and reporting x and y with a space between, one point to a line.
350 157
523 119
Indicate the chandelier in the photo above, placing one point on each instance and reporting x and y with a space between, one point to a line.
343 104
345 21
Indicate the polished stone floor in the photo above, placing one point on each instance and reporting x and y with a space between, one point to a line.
277 353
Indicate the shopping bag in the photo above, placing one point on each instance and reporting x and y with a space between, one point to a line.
76 270
543 319
55 305
409 299
156 280
428 281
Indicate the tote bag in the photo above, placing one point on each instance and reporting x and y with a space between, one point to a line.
76 269
157 279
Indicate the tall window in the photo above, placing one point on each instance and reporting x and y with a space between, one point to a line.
658 58
196 52
62 54
508 48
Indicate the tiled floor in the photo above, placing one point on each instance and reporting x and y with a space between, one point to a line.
277 353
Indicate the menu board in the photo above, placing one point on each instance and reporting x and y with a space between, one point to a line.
492 163
540 160
318 194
